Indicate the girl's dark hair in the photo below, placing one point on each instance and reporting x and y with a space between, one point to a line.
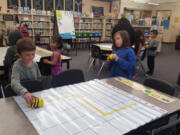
124 24
139 37
125 39
123 20
58 40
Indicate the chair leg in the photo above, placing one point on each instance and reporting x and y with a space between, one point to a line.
91 64
101 68
89 57
2 91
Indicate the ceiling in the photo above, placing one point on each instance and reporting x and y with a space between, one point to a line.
155 1
146 1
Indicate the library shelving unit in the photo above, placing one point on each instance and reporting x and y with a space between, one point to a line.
39 26
86 28
109 24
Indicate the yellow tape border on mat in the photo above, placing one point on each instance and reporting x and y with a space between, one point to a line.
92 106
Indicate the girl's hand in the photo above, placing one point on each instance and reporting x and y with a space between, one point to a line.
45 61
115 57
28 97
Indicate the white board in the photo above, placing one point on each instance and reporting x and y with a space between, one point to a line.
89 108
65 24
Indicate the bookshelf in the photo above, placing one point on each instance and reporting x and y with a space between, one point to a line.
109 24
39 26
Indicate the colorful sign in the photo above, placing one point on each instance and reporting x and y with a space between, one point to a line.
150 92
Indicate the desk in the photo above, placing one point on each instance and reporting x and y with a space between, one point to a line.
15 122
105 46
40 52
43 52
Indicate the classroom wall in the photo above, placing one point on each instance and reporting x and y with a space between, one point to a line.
174 28
3 4
133 5
88 3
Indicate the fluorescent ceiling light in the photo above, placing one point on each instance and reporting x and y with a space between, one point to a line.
152 3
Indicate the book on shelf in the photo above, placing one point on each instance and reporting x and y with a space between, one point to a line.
43 12
33 11
26 10
20 10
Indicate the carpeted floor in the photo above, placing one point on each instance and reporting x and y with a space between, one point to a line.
167 65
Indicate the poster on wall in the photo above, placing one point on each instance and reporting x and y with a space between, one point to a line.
37 4
48 4
115 6
65 24
98 11
78 5
69 5
26 3
12 3
59 4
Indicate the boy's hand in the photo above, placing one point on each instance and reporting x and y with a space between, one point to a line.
28 97
115 57
45 61
146 46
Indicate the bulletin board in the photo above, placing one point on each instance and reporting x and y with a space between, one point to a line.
64 24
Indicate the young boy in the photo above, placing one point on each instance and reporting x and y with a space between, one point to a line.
151 51
25 68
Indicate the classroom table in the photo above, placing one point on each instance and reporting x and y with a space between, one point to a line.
40 52
14 121
105 46
43 52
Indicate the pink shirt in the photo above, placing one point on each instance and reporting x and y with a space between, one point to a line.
55 70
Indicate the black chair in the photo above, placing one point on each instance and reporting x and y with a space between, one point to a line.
30 85
160 85
68 77
96 53
45 69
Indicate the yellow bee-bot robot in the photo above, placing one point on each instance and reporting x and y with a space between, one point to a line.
110 57
37 103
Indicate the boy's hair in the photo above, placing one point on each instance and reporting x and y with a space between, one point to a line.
58 40
155 32
25 44
125 39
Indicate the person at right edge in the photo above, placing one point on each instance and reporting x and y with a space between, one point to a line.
151 51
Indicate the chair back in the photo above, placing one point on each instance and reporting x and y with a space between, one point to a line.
30 85
68 77
45 69
95 51
160 85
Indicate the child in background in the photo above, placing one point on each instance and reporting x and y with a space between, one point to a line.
11 55
25 68
151 51
139 42
55 61
124 60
